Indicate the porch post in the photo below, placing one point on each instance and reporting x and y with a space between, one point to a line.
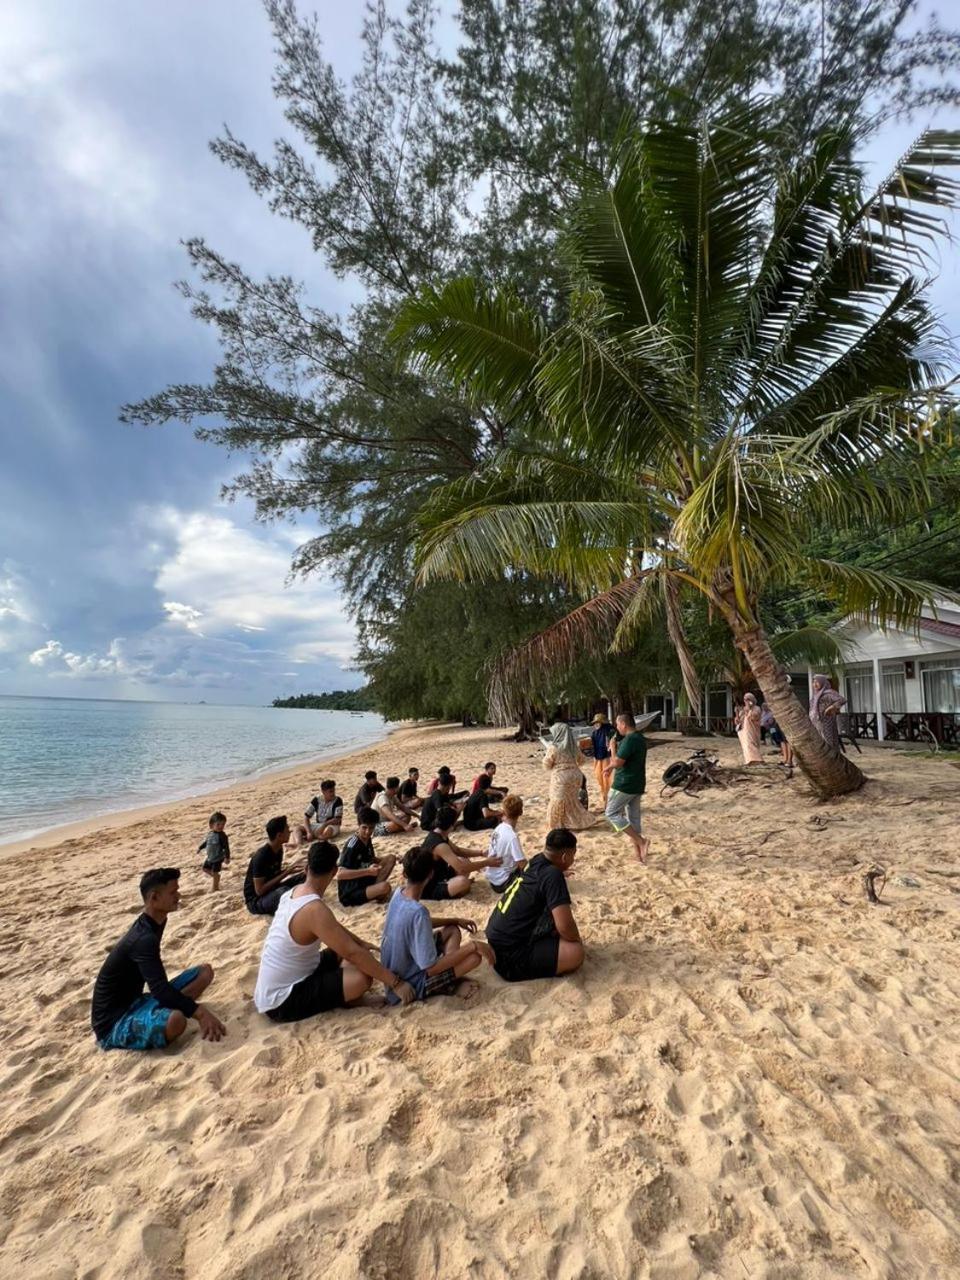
877 698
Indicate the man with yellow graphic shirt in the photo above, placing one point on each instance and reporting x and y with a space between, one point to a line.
532 929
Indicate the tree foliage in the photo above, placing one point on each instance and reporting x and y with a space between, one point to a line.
747 356
430 163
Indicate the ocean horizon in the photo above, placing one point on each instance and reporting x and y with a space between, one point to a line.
66 760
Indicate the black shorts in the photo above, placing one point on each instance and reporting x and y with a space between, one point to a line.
482 824
777 738
538 959
437 891
212 868
268 903
321 991
353 893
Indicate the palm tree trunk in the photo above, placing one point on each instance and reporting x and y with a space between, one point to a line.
828 770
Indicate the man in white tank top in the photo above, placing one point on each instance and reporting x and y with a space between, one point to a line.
310 962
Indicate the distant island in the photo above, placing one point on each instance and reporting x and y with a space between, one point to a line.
339 700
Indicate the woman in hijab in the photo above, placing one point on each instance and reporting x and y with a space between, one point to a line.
564 759
824 708
748 729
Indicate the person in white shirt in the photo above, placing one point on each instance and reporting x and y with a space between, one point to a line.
505 844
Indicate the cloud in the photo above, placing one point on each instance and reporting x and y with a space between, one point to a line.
184 614
53 649
238 578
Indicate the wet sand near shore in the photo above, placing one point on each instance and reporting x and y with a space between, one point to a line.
755 1074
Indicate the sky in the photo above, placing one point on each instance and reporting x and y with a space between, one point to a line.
122 573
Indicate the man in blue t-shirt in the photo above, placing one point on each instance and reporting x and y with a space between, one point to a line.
628 766
426 952
600 741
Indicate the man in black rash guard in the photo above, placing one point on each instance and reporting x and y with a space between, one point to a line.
452 866
121 1015
477 814
266 880
532 929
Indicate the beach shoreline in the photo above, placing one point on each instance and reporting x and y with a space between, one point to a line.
116 819
754 1072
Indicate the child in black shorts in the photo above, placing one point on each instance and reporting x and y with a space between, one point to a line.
216 845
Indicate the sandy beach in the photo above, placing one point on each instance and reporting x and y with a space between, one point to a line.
755 1074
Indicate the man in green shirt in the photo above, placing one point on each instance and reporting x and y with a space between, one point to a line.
628 764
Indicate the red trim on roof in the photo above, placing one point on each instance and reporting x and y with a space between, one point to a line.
941 628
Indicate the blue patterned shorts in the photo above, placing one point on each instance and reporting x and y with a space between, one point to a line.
144 1025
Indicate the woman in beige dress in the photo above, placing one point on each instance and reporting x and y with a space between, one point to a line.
564 759
748 729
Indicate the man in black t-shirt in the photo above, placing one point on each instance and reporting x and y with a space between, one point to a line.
440 798
532 929
361 876
410 802
365 797
266 880
122 1015
452 865
477 814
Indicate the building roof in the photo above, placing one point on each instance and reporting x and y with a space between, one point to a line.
941 628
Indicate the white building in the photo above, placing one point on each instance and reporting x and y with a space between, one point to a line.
912 678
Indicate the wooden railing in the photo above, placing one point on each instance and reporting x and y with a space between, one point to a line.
905 726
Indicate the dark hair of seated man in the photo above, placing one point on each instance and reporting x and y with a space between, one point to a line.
322 857
367 818
156 879
559 839
418 864
275 826
446 818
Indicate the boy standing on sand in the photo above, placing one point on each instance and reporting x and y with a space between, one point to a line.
361 876
121 1015
532 929
426 952
266 880
217 846
299 975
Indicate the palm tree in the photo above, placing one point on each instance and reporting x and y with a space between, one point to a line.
747 356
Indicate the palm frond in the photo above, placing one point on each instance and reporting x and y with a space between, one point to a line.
519 676
874 597
486 343
814 645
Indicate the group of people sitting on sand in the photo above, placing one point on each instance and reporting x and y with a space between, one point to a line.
311 962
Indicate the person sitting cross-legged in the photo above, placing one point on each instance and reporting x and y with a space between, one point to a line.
452 865
392 818
440 798
532 929
362 876
478 815
426 951
310 963
372 786
505 845
267 880
410 801
322 818
122 1016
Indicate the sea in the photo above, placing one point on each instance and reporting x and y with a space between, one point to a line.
66 759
